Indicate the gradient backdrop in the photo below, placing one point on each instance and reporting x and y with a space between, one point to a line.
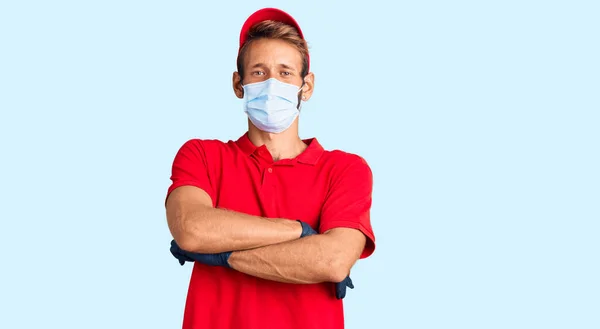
479 119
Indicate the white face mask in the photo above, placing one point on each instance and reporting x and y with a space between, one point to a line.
271 105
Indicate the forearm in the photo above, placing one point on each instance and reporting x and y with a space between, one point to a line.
211 230
312 259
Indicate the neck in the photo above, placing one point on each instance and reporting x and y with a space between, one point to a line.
284 145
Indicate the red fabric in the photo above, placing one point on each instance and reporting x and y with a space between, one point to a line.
324 189
272 14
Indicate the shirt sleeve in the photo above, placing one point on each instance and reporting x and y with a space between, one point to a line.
348 203
190 167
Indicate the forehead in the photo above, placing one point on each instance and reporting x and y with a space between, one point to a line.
273 52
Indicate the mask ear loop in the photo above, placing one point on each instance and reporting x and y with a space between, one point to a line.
300 91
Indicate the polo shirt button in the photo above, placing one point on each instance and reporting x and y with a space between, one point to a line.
270 170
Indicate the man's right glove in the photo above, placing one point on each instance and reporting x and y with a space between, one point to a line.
340 287
306 229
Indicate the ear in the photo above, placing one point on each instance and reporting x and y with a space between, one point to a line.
309 86
237 85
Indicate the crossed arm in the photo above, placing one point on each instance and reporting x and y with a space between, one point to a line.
264 247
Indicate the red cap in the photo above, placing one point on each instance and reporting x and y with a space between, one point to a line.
272 14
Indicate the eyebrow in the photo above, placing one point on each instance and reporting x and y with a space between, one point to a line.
285 66
262 65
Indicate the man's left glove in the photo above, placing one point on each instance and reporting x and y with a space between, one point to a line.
220 259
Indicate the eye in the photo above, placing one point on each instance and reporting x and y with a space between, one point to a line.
258 73
286 73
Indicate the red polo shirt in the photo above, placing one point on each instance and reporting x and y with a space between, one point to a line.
326 189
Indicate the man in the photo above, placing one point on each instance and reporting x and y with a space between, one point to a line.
247 212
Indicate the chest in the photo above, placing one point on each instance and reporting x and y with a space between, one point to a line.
295 191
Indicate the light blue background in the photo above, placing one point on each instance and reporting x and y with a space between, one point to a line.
479 119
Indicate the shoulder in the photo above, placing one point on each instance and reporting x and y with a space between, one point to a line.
204 146
343 159
346 165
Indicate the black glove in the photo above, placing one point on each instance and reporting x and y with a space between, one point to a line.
340 287
220 259
306 229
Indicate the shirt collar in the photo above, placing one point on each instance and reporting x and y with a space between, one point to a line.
309 156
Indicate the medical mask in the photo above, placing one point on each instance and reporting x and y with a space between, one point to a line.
271 105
